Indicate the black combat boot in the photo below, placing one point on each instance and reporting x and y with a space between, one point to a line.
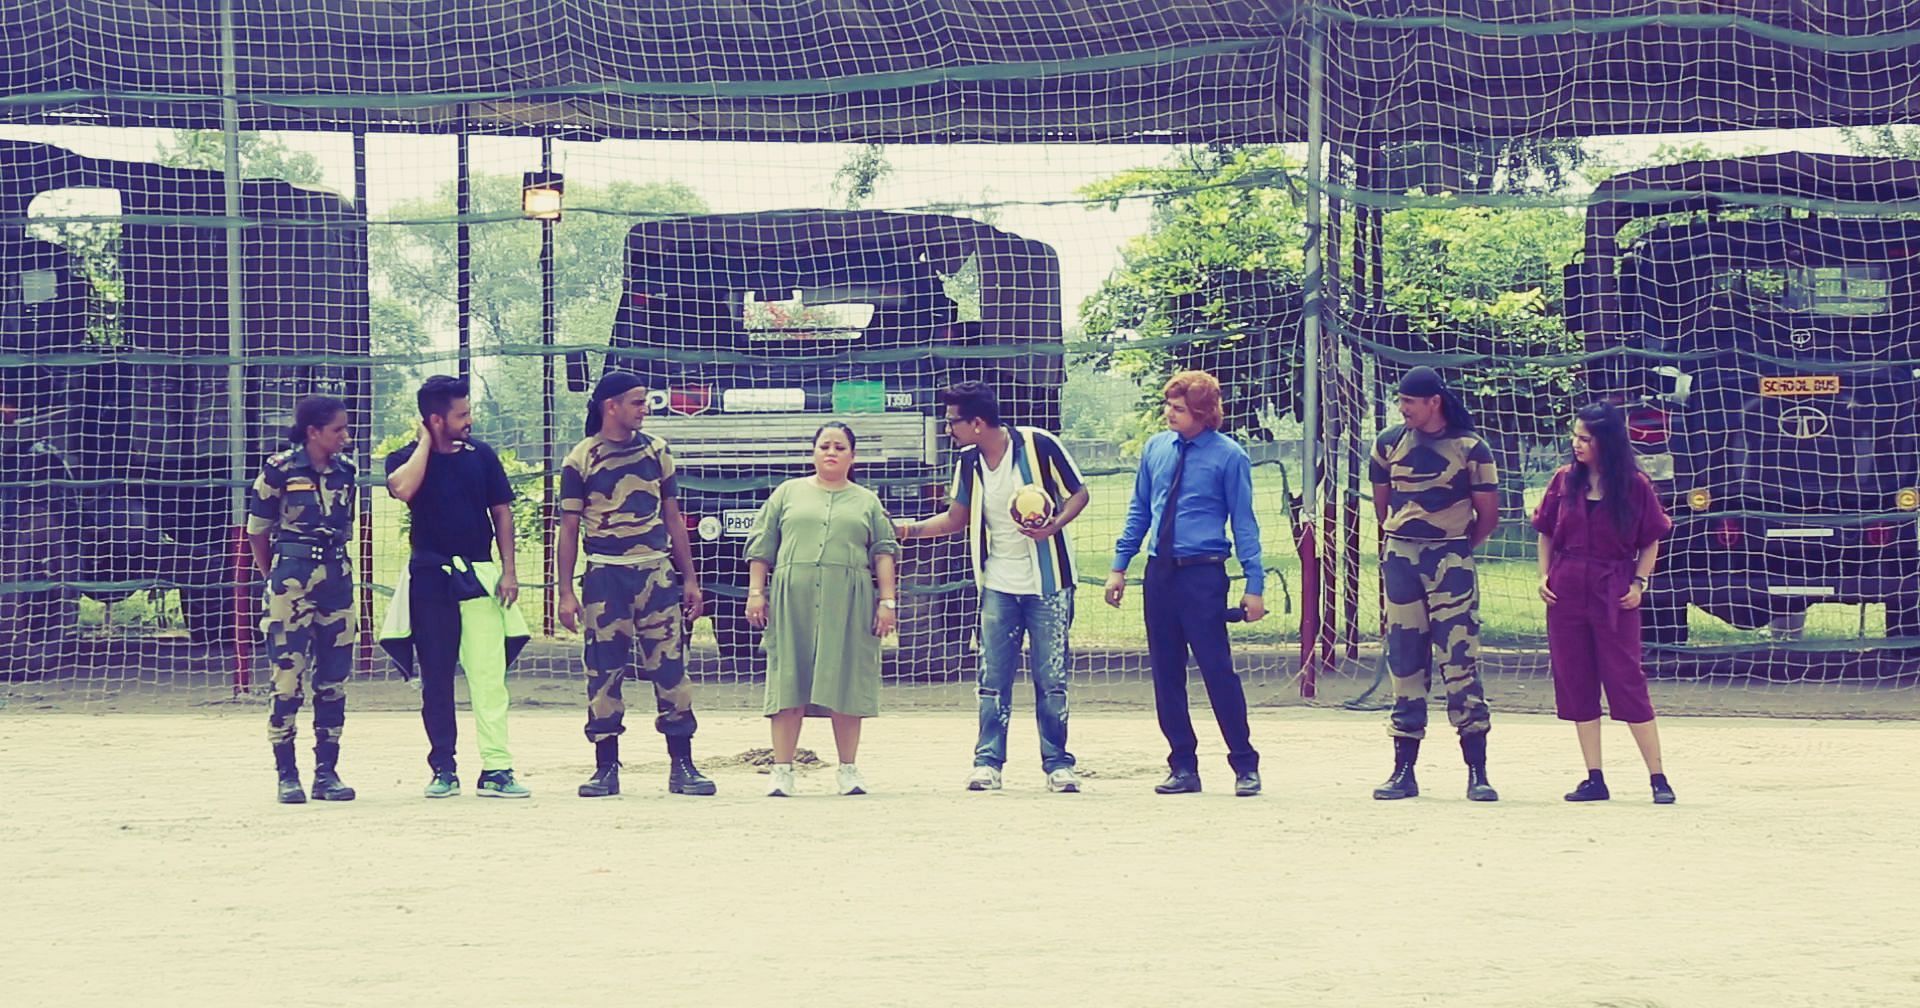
326 783
1406 752
605 781
684 777
1473 748
291 793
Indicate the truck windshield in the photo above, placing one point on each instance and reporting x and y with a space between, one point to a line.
1858 289
805 314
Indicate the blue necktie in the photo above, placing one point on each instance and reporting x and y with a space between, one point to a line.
1172 508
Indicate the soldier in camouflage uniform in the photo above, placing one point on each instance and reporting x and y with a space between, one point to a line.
299 520
640 589
1434 492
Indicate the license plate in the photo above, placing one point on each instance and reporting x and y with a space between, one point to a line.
1799 385
737 522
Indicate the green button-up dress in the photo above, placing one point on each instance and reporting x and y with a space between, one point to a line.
821 651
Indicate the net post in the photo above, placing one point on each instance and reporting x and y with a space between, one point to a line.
236 320
547 515
1313 281
368 646
463 247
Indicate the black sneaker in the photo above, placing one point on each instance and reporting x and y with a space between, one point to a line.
1589 790
500 784
1662 791
445 784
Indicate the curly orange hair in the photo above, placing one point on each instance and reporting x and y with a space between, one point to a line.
1202 393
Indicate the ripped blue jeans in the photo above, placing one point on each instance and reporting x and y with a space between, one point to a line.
1043 621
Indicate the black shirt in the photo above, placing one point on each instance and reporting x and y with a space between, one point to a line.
450 512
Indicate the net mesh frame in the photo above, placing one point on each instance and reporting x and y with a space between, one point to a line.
1447 117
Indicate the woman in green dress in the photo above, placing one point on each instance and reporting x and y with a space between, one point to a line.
829 545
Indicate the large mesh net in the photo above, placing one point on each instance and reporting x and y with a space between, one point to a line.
781 214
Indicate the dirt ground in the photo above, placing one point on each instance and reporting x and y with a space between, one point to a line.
146 864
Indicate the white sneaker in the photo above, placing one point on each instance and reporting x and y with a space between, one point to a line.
782 786
851 782
985 778
1064 781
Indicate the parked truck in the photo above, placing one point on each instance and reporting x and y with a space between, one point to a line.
754 329
1767 336
114 439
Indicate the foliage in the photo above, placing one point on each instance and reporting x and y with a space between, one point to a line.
262 155
1884 141
1218 272
1484 166
1098 405
855 181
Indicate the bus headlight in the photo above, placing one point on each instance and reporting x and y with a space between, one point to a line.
709 528
1699 500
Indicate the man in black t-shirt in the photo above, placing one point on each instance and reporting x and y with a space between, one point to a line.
455 603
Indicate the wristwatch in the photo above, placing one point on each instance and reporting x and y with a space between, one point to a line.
888 603
1637 579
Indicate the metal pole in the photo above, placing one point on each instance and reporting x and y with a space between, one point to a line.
463 249
1310 317
236 327
547 510
363 403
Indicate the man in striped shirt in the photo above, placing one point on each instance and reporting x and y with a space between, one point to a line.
1024 573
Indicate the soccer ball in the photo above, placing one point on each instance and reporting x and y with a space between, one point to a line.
1031 507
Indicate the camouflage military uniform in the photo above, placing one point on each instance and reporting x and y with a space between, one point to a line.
631 593
1427 573
309 595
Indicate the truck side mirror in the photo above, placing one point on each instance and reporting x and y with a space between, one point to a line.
579 378
1674 385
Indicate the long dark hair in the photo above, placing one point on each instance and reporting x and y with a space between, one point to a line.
1613 457
313 411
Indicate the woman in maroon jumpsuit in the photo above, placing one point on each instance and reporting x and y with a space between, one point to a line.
1600 526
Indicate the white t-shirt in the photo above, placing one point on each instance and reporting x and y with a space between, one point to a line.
1009 565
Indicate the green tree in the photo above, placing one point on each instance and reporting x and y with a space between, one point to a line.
855 181
415 267
1488 281
1884 141
1218 279
262 155
1519 167
1213 284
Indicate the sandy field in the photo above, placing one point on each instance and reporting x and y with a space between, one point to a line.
146 864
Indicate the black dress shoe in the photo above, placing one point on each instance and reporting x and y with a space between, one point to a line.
1246 785
1179 782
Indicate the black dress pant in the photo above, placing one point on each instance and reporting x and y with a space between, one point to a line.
1186 613
435 617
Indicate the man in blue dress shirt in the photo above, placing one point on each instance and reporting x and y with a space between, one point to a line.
1193 481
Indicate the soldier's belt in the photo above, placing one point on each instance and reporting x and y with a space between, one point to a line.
309 551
